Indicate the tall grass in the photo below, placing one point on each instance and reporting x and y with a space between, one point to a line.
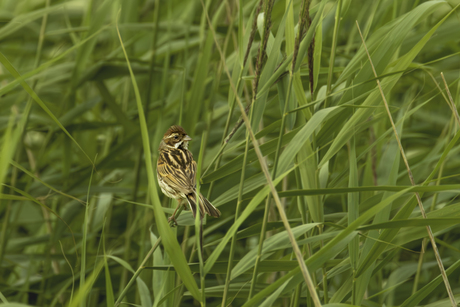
331 152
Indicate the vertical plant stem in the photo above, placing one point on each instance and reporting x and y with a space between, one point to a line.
83 243
353 214
45 213
333 48
451 100
433 205
261 56
138 271
300 199
181 290
324 271
127 244
409 172
139 163
267 203
263 230
225 142
306 247
182 96
218 156
148 94
225 138
199 223
237 213
311 49
211 98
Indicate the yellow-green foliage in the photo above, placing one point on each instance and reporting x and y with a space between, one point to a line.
317 203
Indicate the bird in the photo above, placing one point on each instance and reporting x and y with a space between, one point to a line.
176 173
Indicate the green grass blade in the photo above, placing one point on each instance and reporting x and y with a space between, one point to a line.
84 289
83 243
169 240
317 54
353 210
23 20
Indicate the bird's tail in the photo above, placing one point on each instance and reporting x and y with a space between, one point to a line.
205 206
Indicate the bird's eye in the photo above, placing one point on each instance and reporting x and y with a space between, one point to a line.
176 137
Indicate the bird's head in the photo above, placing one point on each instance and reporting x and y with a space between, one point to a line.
176 137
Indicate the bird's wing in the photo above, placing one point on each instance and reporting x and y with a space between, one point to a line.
177 171
192 173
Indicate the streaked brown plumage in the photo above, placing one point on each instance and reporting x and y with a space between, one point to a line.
176 172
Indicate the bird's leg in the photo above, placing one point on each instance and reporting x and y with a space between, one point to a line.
173 217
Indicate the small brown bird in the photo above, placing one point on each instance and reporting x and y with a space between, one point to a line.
176 172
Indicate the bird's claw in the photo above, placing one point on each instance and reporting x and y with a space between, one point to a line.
172 221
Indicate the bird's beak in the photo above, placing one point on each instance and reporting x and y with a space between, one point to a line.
187 138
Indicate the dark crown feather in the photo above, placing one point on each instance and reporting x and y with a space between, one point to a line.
175 129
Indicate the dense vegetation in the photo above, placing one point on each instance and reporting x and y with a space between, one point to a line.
314 184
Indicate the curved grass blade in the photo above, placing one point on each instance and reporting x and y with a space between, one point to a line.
168 239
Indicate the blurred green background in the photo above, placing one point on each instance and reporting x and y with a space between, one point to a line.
80 208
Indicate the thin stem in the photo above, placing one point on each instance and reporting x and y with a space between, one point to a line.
138 271
433 204
275 165
260 247
411 177
261 56
182 97
453 107
267 203
83 244
283 124
224 142
237 213
334 46
148 95
325 288
449 100
199 221
419 265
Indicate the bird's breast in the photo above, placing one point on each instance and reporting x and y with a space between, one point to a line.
178 158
